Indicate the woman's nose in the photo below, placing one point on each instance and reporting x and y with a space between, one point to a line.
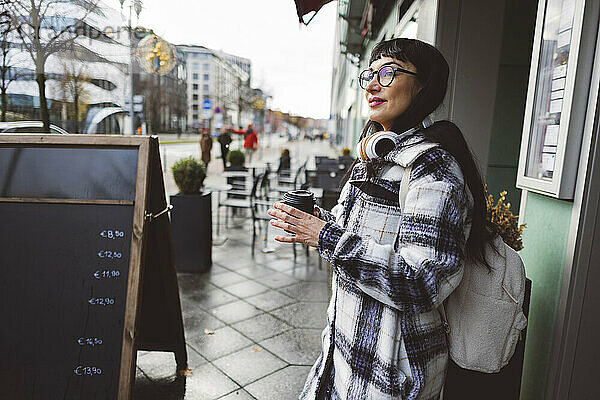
373 85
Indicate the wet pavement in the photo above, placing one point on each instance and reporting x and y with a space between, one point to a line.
252 325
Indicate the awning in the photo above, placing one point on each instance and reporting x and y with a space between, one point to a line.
304 7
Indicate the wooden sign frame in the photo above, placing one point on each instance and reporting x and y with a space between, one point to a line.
152 279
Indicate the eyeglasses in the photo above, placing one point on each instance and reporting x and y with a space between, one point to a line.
385 75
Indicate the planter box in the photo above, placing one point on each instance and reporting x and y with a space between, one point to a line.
191 224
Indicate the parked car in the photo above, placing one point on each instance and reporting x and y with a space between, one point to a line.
29 127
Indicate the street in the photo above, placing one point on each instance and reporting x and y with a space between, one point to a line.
269 150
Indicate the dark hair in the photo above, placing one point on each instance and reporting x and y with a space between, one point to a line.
432 73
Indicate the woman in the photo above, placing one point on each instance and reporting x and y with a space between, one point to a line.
392 268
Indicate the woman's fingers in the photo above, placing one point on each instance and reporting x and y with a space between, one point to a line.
286 239
293 211
283 216
284 225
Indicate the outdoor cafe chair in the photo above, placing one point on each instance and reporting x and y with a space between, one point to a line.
261 202
235 198
286 184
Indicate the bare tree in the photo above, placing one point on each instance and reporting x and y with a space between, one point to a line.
46 27
7 72
72 86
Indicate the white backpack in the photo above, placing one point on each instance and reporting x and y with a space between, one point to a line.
484 314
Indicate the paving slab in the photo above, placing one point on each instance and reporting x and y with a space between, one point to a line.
284 384
167 389
207 300
223 341
158 365
262 327
255 271
238 395
226 279
246 289
270 300
308 291
193 283
236 311
208 383
249 364
196 320
304 315
277 280
280 264
298 346
309 274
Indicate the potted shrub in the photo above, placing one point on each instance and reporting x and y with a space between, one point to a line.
191 217
236 160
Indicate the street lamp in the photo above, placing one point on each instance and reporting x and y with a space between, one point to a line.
135 5
156 57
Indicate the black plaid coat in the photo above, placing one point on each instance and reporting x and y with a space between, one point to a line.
392 268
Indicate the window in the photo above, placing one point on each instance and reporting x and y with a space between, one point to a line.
195 66
194 86
194 76
205 87
206 97
195 117
194 97
205 77
206 67
195 107
103 83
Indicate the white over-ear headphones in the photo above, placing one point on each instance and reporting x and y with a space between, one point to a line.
381 143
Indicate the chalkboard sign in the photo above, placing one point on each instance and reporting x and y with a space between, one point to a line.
87 265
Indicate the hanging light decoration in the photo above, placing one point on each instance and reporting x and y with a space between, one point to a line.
155 55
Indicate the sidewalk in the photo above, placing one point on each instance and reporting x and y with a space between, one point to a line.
252 326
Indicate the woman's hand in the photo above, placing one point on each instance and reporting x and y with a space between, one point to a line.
306 227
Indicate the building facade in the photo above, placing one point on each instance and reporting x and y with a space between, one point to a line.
523 88
95 65
217 83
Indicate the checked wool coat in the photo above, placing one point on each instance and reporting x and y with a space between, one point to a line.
392 269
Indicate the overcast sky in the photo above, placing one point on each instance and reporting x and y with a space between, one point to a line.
290 62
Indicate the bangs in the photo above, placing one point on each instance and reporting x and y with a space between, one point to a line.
395 48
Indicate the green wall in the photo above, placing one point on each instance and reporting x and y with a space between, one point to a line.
544 247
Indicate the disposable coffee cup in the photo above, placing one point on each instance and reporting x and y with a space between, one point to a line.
303 200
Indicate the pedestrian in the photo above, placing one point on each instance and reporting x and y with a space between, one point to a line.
224 140
284 162
393 266
205 146
284 168
250 143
